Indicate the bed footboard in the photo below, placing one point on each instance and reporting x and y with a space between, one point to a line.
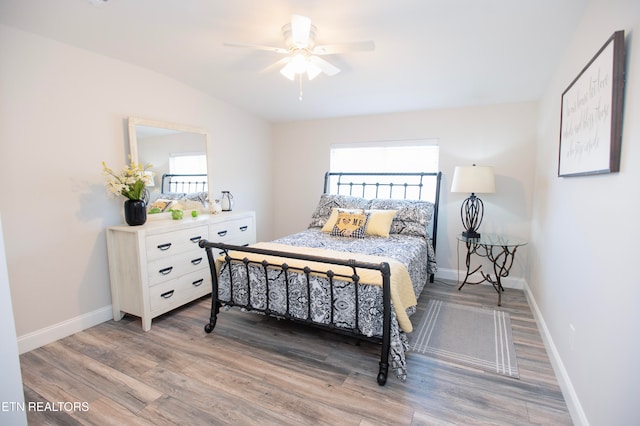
238 257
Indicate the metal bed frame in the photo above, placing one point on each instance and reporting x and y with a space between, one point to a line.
195 183
286 269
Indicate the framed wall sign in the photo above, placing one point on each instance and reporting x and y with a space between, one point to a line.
591 114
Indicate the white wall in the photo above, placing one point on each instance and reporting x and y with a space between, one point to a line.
63 111
582 262
11 391
502 136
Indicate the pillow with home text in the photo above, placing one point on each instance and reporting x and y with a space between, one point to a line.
352 225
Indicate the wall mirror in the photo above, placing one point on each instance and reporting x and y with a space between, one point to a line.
178 155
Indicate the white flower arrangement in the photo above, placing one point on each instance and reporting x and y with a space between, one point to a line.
130 182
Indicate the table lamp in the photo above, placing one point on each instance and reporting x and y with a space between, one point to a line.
472 179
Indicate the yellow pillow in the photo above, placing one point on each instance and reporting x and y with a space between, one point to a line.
379 222
333 217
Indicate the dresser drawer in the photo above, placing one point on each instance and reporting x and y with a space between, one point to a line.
166 269
169 244
231 229
178 291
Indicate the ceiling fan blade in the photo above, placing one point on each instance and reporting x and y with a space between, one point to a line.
258 47
326 67
332 49
300 31
280 63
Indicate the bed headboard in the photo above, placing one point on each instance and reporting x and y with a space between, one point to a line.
184 183
406 186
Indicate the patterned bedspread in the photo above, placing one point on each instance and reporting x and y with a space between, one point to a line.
414 252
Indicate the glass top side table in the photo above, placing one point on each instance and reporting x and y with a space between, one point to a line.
499 249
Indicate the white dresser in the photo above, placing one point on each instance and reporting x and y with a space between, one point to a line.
159 266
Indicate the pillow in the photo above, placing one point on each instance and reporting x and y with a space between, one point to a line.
330 201
413 217
379 222
350 225
201 197
172 195
333 218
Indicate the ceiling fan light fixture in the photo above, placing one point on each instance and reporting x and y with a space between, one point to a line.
300 64
288 71
312 70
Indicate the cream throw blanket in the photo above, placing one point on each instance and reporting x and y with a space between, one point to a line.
402 293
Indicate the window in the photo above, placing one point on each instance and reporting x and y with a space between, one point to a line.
188 163
387 157
391 156
185 163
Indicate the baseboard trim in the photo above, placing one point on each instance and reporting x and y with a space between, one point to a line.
571 398
38 338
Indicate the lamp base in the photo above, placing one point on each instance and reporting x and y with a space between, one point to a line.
471 234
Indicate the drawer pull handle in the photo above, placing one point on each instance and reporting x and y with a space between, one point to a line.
195 239
222 233
167 295
164 247
244 228
196 261
198 283
166 271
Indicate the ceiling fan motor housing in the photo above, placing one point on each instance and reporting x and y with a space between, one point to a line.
309 43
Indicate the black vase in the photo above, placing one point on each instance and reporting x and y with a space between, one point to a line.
135 212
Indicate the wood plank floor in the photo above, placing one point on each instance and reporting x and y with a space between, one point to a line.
257 370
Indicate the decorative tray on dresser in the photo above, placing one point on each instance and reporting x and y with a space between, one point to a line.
159 266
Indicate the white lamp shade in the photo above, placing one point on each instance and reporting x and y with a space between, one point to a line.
473 179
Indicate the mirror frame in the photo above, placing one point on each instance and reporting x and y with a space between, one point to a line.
133 139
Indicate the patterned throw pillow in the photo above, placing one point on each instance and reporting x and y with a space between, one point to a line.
351 225
330 201
413 217
333 218
201 197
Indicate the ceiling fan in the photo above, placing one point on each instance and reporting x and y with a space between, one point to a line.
303 56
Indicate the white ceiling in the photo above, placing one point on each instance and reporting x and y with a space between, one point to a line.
429 53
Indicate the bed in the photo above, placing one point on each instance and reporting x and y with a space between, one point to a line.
180 191
358 268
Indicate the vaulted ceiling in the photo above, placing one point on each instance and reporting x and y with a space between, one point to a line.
428 53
